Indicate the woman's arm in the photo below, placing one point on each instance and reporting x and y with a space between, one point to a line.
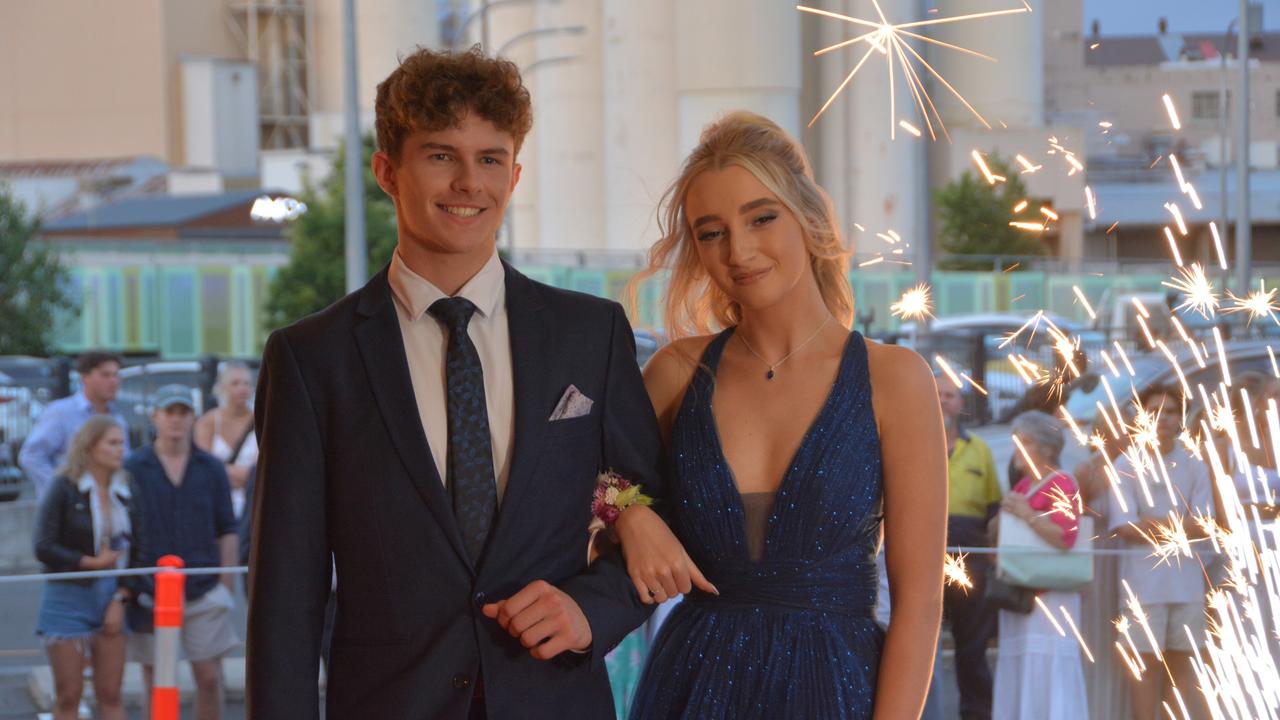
49 546
658 564
1053 526
914 458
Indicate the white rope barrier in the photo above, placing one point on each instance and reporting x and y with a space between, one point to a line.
91 574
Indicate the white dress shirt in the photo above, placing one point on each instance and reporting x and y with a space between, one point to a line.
426 348
117 513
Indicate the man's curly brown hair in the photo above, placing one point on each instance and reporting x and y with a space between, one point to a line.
435 90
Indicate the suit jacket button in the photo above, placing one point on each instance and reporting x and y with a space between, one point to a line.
479 599
462 682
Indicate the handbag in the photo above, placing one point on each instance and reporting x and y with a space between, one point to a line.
1001 595
1024 559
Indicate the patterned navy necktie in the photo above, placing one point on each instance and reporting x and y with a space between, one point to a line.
469 464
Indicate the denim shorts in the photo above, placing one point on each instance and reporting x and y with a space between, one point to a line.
70 611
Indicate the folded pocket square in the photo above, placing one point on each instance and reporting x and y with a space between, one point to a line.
572 404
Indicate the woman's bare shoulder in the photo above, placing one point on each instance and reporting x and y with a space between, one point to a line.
669 371
678 359
897 370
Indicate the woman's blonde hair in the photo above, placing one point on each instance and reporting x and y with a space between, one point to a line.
757 145
80 455
224 377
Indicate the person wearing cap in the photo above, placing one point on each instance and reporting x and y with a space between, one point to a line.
184 501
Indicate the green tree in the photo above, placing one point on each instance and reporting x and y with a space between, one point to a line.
316 274
975 216
33 283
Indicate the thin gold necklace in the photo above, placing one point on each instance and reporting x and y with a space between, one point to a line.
774 366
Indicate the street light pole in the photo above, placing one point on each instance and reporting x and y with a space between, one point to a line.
1223 156
1244 234
482 13
536 32
356 255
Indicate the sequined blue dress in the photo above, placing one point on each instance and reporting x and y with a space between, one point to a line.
791 635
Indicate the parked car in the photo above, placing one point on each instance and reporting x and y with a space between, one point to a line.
1153 368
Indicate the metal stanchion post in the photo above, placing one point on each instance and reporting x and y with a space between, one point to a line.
170 587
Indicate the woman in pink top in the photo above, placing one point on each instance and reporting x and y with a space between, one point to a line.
1039 673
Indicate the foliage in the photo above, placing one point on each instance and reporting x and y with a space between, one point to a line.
974 218
33 283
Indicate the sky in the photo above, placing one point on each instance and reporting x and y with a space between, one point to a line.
1139 17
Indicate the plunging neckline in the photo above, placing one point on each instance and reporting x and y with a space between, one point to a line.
782 490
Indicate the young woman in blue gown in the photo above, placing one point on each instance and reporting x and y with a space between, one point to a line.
790 439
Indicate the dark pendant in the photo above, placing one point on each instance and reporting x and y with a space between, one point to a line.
769 375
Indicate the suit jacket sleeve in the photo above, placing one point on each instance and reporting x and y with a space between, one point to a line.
289 568
633 448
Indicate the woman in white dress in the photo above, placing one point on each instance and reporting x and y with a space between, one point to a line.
226 431
1100 602
1039 673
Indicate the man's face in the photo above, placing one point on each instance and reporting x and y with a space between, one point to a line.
950 399
174 422
102 383
1168 411
450 187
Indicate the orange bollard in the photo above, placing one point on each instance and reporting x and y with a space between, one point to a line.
170 596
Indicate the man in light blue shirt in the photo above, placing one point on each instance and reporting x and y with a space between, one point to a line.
47 443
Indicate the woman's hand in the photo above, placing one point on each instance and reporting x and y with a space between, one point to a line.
113 621
1018 505
656 561
105 559
238 476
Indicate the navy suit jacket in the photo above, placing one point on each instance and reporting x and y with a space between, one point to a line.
345 469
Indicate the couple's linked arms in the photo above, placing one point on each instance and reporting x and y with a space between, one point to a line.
601 608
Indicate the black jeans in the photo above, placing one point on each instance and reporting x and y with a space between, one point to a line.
973 624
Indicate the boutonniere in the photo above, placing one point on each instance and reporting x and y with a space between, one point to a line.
614 494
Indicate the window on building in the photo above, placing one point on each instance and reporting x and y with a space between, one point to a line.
1204 105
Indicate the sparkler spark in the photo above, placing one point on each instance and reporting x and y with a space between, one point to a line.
1173 246
1173 112
1193 283
953 569
1217 245
946 369
1084 301
1259 303
981 162
888 39
915 304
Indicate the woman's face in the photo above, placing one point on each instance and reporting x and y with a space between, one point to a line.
749 243
108 452
237 387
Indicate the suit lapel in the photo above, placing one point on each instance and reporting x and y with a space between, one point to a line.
382 350
533 349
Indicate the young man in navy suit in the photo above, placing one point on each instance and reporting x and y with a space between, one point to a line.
438 434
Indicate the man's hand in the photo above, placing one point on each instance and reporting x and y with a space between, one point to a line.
544 618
